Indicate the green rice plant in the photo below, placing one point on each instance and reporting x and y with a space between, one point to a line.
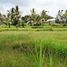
33 49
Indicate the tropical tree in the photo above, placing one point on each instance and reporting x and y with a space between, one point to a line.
8 18
59 17
35 18
38 18
4 19
13 16
65 16
44 15
0 17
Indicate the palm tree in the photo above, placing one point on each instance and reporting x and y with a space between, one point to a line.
35 17
59 17
8 18
44 15
38 18
65 16
15 15
12 14
0 17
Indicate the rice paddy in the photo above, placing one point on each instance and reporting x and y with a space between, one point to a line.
33 49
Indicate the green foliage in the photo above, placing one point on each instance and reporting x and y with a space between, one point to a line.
65 14
33 49
13 17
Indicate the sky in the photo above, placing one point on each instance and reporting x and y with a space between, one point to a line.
52 6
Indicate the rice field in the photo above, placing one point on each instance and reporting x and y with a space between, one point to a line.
33 49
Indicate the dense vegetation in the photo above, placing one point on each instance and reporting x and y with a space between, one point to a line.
15 18
33 49
33 40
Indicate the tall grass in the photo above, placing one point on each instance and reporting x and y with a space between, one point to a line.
33 49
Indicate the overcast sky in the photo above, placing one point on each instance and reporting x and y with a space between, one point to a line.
26 5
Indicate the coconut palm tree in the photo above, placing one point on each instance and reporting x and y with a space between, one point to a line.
35 17
14 15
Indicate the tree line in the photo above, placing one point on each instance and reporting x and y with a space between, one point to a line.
14 17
